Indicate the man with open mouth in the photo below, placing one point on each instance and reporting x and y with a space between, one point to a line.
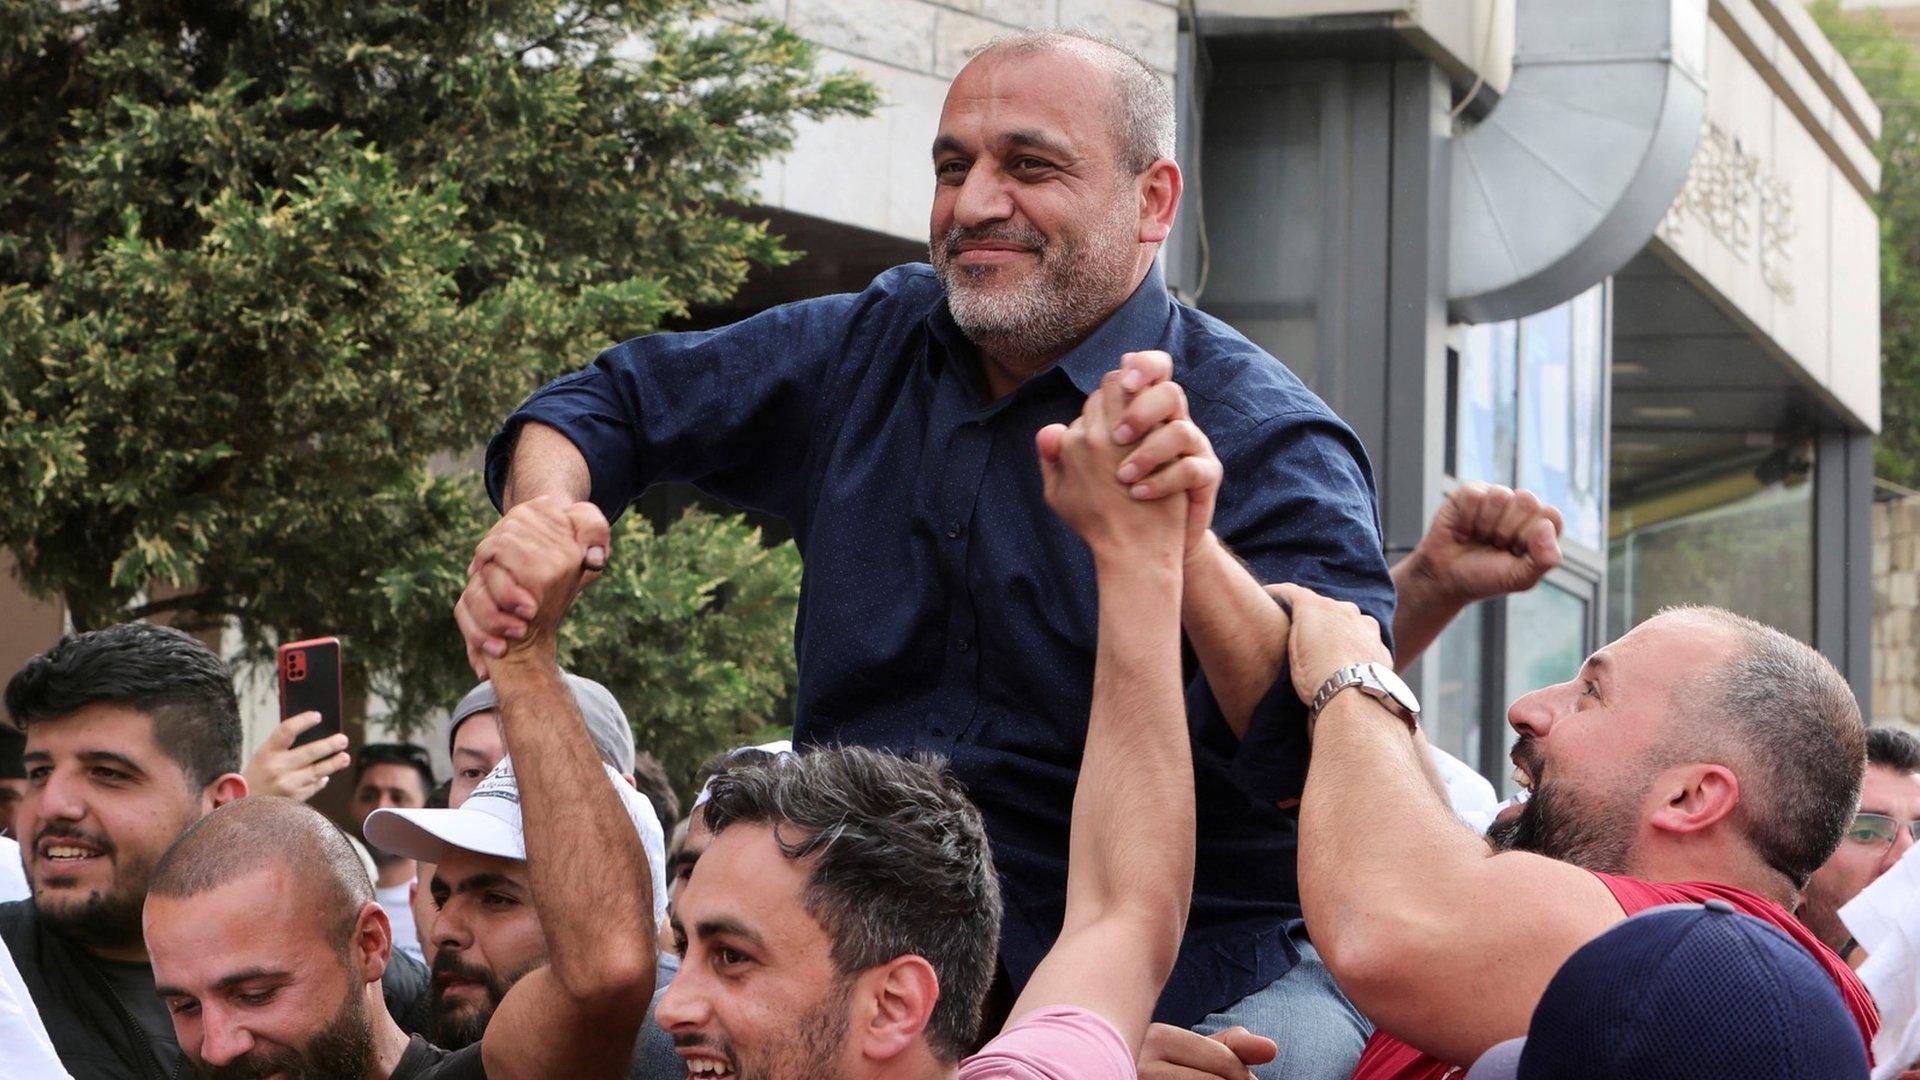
303 1000
132 734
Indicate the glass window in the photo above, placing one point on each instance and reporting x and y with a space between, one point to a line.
1560 411
1710 542
1454 717
1546 643
1487 388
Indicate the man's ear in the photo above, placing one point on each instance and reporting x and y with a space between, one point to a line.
1695 797
372 942
891 1006
226 788
1160 188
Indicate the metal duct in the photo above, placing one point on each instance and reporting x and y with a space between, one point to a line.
1570 174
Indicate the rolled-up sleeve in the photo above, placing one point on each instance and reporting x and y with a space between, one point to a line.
1303 510
731 410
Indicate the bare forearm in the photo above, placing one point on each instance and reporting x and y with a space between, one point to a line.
1238 632
1368 767
545 462
578 837
1133 825
1421 610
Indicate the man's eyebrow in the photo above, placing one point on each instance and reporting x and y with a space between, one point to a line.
1600 664
730 927
1046 144
468 751
227 983
249 975
947 144
108 757
482 882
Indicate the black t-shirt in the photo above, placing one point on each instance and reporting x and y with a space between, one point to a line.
133 985
425 1061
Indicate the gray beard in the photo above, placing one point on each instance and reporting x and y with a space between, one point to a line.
1071 290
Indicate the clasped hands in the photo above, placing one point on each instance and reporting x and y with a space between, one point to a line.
1133 475
523 577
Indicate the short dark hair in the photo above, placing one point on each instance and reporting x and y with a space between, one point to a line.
1891 748
389 753
156 670
900 866
650 779
1795 720
247 835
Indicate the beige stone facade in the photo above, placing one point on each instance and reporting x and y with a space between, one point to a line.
1896 613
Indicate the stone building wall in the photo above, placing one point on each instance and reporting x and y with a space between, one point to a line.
876 173
1896 613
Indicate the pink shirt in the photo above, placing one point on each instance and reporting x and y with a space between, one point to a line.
1058 1043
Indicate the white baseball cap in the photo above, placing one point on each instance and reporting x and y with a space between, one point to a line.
488 823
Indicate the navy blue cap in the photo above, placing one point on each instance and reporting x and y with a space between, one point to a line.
1686 992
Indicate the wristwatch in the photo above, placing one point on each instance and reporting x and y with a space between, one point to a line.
1377 681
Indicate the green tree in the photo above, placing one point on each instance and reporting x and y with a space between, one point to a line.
1889 67
271 269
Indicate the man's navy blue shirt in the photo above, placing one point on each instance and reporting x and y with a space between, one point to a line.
946 609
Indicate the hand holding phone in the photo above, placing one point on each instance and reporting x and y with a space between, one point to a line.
310 682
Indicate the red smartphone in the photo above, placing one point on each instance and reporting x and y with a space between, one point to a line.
310 682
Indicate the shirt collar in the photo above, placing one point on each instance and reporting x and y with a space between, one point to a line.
1140 323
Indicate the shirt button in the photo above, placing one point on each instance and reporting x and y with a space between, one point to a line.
953 531
963 645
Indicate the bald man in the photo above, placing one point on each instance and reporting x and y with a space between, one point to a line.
268 947
944 607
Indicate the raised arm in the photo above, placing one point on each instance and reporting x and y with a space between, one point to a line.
1485 541
578 1015
1130 855
543 462
1439 940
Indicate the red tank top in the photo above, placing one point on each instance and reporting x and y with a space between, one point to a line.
1387 1058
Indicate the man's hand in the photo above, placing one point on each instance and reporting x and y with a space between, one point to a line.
1078 463
1172 454
524 576
1174 1053
1326 636
1487 541
295 772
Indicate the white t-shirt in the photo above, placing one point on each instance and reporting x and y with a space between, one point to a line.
397 902
13 874
1885 920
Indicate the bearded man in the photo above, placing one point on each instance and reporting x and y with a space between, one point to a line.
1702 757
945 609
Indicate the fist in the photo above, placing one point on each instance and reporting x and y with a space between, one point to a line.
1488 541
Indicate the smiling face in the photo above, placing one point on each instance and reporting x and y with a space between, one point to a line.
290 1002
1860 859
757 996
1038 231
487 935
102 804
1589 749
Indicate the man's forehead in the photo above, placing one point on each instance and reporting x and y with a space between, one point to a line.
478 734
1887 789
1052 93
100 726
458 867
249 921
742 880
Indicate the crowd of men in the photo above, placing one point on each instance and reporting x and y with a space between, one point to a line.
1101 767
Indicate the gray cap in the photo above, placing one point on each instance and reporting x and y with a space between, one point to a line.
606 721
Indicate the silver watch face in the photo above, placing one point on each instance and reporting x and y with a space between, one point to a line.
1395 687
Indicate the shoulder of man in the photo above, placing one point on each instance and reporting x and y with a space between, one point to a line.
1232 384
406 984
